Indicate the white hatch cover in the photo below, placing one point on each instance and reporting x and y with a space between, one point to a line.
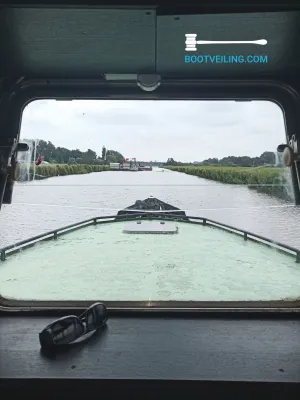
151 227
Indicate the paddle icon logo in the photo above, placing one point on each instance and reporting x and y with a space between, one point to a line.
191 42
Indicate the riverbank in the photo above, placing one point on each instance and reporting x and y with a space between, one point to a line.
51 170
272 181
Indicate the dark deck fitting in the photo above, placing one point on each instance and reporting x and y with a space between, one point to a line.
151 203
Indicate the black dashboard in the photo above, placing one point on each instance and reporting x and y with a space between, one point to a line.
155 354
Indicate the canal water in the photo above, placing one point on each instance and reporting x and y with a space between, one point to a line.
41 206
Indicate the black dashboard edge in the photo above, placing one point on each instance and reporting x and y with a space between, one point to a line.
148 388
157 353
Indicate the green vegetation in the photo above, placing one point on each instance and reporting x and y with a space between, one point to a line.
256 178
49 170
268 158
62 155
234 175
60 161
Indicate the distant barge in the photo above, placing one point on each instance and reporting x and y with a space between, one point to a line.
129 165
146 168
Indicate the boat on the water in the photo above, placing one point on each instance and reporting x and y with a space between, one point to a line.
123 167
129 164
151 253
145 168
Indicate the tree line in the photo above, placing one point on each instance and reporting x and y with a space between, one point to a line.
268 158
62 155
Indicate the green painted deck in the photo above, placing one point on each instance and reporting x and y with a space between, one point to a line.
199 263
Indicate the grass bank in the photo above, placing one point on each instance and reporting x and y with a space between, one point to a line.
51 170
255 178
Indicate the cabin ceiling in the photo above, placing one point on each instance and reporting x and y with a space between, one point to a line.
90 42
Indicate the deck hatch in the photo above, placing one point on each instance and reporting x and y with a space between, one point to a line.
154 227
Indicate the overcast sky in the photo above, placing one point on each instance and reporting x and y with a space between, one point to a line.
157 130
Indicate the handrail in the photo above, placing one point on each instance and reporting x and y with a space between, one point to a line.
10 249
248 233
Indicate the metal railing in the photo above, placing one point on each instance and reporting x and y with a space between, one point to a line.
53 234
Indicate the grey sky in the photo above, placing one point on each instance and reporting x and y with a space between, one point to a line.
157 130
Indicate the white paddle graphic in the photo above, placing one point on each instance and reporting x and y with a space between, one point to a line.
191 42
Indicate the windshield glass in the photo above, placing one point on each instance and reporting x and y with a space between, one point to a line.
216 161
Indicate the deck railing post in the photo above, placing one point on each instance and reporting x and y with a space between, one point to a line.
298 257
2 256
55 235
245 236
204 221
